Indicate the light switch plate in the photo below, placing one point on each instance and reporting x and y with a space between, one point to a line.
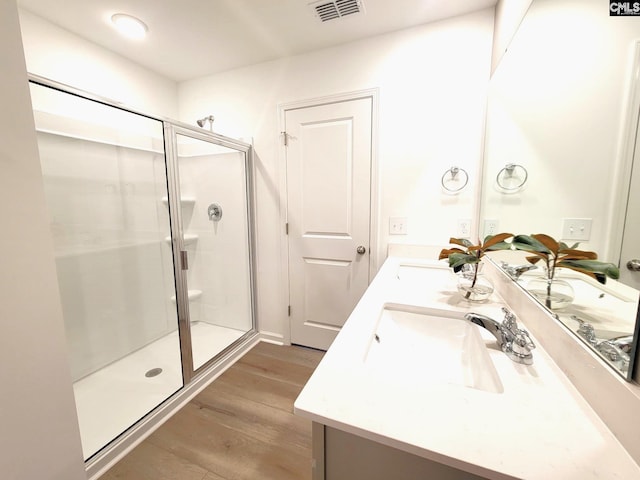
398 225
576 229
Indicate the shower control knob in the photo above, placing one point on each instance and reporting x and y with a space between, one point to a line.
634 265
361 250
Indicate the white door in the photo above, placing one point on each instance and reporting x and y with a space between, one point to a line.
328 193
630 275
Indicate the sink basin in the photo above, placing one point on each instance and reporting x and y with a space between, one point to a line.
433 346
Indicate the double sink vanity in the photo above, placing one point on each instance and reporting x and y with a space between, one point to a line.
411 388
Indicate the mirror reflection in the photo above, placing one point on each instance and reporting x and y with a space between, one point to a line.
562 121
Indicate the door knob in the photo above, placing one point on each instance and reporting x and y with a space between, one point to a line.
634 265
362 250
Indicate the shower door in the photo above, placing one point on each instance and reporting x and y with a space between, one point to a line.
104 176
211 209
151 229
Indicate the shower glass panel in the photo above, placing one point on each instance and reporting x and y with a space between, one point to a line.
105 179
215 221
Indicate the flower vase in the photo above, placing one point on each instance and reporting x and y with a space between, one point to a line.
473 284
553 293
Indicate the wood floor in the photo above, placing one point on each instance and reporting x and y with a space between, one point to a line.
241 427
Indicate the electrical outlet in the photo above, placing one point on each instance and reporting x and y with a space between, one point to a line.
464 228
576 229
398 225
491 226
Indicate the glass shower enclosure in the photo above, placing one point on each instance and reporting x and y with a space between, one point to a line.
151 222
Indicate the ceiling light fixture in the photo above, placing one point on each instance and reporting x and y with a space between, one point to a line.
129 26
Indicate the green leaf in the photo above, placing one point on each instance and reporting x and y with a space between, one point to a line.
529 244
497 242
445 252
463 242
549 242
600 270
499 246
578 254
458 260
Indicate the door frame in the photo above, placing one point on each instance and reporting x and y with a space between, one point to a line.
375 256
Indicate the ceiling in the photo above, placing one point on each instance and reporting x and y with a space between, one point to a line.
194 38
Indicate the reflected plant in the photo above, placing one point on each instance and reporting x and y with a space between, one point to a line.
555 254
471 254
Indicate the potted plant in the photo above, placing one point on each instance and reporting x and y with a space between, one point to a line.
552 292
466 262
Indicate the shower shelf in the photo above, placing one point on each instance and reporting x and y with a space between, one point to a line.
193 295
188 239
188 201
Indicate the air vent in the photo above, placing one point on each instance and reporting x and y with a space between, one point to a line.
338 8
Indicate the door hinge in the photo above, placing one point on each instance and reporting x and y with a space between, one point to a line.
289 310
285 138
184 260
286 228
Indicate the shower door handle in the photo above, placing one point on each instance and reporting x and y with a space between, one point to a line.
184 260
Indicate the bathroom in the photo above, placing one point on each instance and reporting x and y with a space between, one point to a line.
427 103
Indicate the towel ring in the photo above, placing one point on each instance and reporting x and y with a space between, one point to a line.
454 171
509 180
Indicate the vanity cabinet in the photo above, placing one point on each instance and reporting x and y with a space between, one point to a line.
339 455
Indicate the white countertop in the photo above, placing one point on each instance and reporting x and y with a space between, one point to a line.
539 427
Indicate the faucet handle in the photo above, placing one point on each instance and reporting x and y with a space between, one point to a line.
522 343
510 321
614 354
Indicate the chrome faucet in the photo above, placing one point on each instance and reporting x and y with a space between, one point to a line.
616 350
624 343
614 354
514 271
513 341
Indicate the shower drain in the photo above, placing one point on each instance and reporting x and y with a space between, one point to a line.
154 372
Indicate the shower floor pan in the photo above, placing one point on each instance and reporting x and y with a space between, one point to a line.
112 399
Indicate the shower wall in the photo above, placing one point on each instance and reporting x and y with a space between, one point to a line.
106 192
104 195
218 261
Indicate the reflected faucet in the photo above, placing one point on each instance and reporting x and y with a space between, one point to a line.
616 350
624 343
514 271
513 341
614 354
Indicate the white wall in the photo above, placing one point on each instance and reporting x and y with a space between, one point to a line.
40 436
60 55
432 83
219 258
556 107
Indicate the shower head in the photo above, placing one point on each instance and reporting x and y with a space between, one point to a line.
201 122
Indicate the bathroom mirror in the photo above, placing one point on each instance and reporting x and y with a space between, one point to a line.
563 105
